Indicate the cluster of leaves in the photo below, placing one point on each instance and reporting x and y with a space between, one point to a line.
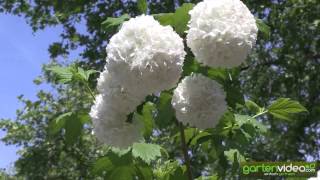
55 131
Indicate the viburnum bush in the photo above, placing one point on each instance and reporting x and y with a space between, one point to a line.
171 81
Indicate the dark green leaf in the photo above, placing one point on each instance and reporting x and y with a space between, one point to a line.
102 165
111 23
122 173
283 108
165 110
145 173
73 128
147 152
58 123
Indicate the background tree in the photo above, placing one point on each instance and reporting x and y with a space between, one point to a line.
284 64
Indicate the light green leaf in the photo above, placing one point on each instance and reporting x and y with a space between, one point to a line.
177 20
58 123
283 108
111 23
102 165
214 177
244 119
263 28
147 152
64 74
252 106
142 6
147 115
85 75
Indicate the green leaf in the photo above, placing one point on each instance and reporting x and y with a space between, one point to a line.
73 128
147 118
58 123
102 165
170 170
244 119
231 84
165 110
85 75
126 172
200 138
111 23
142 6
214 177
252 106
283 108
177 20
64 74
189 133
145 172
263 28
147 152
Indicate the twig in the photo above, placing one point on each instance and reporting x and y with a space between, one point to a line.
185 151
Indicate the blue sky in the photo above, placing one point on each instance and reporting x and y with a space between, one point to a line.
21 56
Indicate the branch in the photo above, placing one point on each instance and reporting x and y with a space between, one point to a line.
185 151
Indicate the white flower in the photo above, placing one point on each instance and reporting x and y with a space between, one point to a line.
145 54
221 33
199 101
120 135
109 116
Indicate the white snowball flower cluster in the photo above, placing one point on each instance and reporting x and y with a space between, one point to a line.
145 54
199 101
143 58
221 33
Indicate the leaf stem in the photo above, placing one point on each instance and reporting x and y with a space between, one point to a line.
260 114
185 151
89 90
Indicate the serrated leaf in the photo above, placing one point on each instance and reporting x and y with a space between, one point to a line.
102 165
111 23
58 123
165 110
177 20
73 128
147 152
283 108
142 6
64 74
263 28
